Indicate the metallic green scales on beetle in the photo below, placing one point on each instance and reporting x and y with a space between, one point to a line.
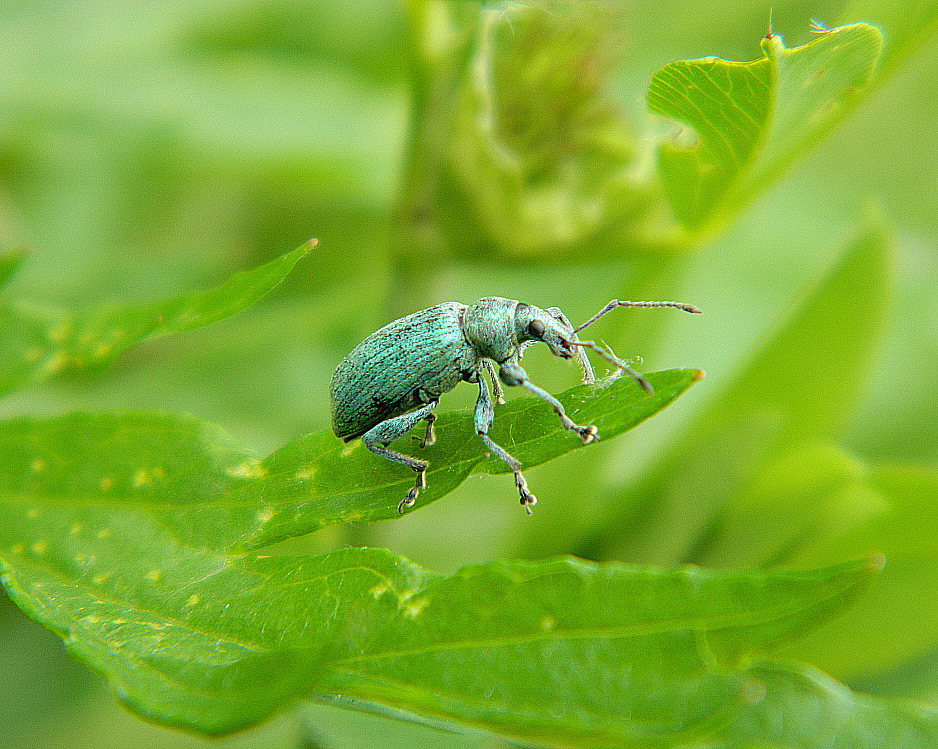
395 377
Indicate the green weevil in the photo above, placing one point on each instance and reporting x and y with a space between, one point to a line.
395 377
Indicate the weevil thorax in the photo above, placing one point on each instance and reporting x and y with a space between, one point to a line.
496 328
489 327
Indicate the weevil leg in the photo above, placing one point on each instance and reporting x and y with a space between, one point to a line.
513 374
380 436
496 385
589 377
484 415
429 438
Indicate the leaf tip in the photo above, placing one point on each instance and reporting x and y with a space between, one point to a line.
698 375
311 243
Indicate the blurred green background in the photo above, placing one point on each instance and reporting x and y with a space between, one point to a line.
147 149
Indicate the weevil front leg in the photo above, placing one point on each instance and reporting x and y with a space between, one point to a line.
512 374
484 415
496 385
380 436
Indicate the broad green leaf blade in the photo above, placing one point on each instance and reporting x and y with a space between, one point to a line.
789 393
594 655
753 119
797 707
38 344
570 652
185 475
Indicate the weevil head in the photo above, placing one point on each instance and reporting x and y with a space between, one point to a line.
535 324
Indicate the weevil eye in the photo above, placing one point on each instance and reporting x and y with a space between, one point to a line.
536 328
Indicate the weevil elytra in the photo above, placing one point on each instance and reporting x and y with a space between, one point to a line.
395 377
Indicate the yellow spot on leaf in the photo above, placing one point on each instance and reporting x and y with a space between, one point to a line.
34 354
247 470
18 548
103 350
379 590
193 600
38 465
305 474
157 473
106 483
141 478
104 533
99 579
76 529
155 575
264 515
350 448
548 623
56 362
33 512
40 547
60 332
413 609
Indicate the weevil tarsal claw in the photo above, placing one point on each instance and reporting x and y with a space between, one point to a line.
411 497
408 501
528 500
588 434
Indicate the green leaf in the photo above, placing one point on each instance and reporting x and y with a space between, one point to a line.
797 707
181 474
559 650
788 394
899 622
906 26
802 498
752 120
37 344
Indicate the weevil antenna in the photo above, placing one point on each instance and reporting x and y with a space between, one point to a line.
622 303
620 366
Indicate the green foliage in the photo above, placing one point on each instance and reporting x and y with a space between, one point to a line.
214 588
177 630
753 119
40 343
186 477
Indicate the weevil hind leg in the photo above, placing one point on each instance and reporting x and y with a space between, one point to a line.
381 435
484 415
